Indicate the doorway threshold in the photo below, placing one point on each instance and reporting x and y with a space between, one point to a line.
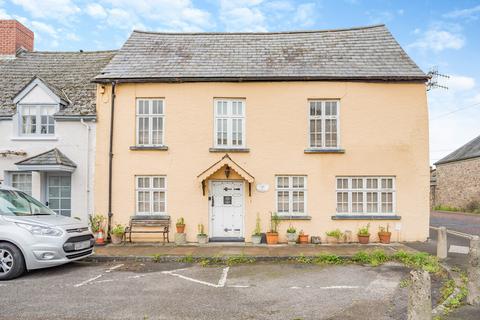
226 239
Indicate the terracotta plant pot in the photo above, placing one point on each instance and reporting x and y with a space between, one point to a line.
180 228
363 239
384 237
303 239
272 237
116 238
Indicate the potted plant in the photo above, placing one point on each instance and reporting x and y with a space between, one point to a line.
334 236
364 234
180 225
202 237
302 238
96 225
384 234
291 235
257 233
117 234
272 235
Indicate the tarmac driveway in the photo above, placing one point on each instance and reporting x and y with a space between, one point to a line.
134 290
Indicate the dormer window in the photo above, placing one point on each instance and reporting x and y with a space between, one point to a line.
37 104
37 119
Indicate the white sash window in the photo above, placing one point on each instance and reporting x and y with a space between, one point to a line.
323 124
150 122
291 194
151 194
229 123
37 119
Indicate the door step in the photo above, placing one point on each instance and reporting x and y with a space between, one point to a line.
226 239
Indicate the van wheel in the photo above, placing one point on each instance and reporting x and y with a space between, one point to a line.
12 263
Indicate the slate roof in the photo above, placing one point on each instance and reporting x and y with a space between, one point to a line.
52 157
68 72
468 151
366 53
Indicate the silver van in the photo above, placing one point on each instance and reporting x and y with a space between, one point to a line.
32 236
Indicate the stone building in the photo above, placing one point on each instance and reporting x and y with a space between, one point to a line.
457 182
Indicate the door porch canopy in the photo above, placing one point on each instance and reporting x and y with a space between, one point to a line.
229 164
52 160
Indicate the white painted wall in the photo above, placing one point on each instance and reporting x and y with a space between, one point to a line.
71 139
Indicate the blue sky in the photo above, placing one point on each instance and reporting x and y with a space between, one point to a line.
435 33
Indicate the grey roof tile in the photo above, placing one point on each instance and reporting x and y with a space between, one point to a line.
467 151
66 73
357 53
49 158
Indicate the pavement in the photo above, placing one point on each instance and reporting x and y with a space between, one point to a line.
213 250
148 290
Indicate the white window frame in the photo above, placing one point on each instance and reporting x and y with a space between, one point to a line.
150 190
323 117
23 174
150 116
38 119
290 189
364 190
229 117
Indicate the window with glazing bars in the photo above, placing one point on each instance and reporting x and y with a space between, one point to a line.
151 193
365 195
291 194
229 123
323 123
150 122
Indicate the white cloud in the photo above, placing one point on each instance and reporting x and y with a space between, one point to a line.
472 13
72 36
95 10
4 14
242 15
438 39
305 14
57 9
377 16
41 27
458 83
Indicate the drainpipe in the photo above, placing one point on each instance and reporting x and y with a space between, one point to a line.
87 175
110 162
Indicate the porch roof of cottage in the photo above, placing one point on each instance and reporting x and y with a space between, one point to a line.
226 161
52 160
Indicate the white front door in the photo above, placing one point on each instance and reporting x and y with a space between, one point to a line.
226 209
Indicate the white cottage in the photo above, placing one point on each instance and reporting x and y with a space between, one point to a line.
47 121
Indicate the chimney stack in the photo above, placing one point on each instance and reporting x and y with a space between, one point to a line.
14 36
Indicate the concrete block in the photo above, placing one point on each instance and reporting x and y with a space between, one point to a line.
473 271
419 297
180 238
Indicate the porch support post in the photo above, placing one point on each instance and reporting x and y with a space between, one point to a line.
203 187
249 189
37 185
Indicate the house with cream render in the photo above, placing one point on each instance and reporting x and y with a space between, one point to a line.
47 121
327 128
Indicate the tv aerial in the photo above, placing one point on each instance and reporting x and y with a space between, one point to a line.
432 83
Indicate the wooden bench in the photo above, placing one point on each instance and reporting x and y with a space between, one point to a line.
157 221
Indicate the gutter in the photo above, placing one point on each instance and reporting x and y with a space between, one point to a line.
408 79
87 175
110 161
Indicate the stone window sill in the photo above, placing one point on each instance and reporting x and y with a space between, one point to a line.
366 217
147 148
240 150
318 150
34 138
304 217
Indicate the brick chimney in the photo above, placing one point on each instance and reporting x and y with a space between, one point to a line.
14 36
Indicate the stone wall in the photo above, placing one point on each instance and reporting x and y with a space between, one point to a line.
457 183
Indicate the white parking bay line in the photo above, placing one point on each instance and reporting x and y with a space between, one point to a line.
220 284
339 287
459 249
87 281
223 278
114 267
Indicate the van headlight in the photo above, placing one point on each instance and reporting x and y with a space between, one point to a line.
38 230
